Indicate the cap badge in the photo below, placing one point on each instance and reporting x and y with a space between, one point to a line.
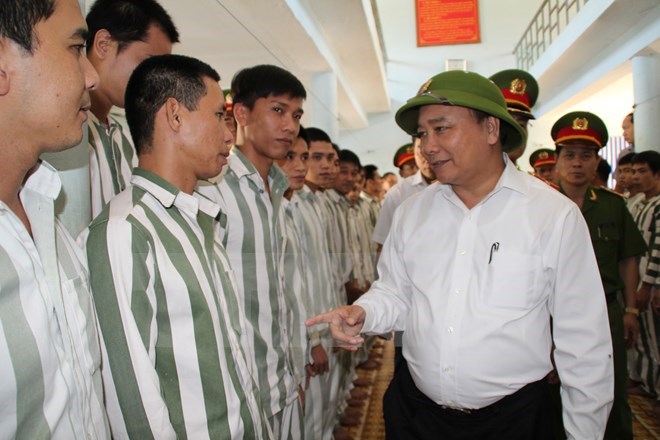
544 155
580 124
425 87
518 86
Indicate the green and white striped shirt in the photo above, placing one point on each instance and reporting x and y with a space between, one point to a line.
311 220
49 347
296 291
170 321
112 159
337 207
251 231
647 216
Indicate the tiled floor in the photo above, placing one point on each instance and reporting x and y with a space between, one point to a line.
645 426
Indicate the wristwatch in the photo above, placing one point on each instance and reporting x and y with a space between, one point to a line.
633 310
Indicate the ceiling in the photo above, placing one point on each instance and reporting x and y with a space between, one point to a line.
369 47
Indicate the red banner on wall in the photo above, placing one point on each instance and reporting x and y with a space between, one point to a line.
447 22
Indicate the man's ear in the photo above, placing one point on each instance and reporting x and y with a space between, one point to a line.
173 114
103 45
241 113
493 128
8 53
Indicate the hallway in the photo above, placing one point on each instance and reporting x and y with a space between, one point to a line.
645 427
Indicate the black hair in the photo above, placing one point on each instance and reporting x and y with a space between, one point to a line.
604 169
153 82
350 157
370 172
336 148
19 17
128 21
316 134
263 81
302 134
632 117
480 117
626 159
650 157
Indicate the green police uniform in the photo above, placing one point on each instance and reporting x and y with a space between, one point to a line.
614 237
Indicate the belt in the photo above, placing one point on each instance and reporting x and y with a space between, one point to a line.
461 412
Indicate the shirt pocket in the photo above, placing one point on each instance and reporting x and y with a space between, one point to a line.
606 242
513 280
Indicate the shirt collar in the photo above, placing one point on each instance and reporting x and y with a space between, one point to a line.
418 180
510 178
110 123
242 167
44 180
368 197
169 195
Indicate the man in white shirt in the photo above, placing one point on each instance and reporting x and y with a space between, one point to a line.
473 270
49 348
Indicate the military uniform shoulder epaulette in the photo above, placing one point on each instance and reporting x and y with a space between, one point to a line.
611 191
547 182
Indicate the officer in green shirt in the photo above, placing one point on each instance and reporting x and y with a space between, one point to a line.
617 243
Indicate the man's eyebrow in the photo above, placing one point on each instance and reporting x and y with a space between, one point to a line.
81 32
434 121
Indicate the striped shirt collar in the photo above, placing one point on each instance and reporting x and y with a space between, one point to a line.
45 181
168 194
242 167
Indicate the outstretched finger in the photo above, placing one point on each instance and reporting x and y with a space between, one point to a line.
323 318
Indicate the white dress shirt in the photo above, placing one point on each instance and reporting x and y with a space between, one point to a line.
474 290
403 190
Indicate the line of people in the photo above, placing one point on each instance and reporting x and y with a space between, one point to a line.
182 312
182 309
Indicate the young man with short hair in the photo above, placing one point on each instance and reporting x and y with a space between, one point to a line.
643 364
267 106
170 319
122 33
50 355
371 193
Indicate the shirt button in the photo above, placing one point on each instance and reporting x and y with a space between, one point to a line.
446 369
458 291
450 330
463 252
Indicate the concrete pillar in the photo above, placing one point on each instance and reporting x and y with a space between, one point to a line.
646 85
323 99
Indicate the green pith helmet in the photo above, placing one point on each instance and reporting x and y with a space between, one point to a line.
464 89
404 154
584 126
520 90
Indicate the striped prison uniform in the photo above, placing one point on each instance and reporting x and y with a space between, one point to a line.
170 320
49 352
